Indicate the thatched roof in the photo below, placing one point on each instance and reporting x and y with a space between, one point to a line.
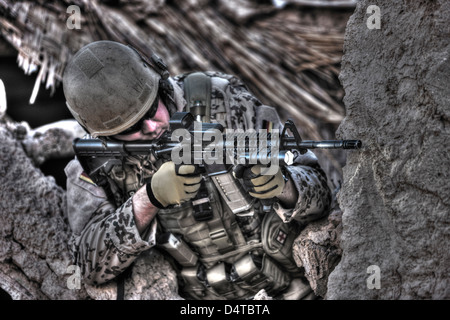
289 57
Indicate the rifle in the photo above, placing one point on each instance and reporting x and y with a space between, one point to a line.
216 158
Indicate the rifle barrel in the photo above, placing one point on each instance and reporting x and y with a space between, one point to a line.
95 147
324 144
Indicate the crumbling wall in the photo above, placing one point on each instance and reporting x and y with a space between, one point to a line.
317 250
395 196
35 263
33 231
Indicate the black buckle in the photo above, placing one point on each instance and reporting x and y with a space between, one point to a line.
201 205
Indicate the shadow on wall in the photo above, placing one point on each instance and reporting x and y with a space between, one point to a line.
46 109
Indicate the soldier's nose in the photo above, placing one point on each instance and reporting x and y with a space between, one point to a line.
149 126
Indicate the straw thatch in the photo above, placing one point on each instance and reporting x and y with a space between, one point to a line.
288 59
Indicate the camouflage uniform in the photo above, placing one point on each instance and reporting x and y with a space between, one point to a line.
105 239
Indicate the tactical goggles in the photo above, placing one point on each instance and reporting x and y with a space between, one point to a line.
138 125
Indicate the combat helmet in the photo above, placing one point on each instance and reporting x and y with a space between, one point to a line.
110 86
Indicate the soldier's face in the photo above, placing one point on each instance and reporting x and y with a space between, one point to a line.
151 128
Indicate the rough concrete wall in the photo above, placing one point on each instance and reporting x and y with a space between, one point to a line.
317 250
395 196
34 233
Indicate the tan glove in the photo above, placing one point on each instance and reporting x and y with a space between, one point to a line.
263 186
169 187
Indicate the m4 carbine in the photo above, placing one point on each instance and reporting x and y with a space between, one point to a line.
207 146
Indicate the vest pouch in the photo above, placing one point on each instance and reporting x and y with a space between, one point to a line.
178 249
255 276
278 238
218 277
192 285
248 274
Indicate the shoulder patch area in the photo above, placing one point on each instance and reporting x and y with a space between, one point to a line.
77 178
83 176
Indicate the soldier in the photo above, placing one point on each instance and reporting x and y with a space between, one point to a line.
115 93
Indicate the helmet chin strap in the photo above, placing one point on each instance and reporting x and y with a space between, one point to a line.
165 88
166 92
159 66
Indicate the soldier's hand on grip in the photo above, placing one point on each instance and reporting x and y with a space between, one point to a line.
172 184
263 186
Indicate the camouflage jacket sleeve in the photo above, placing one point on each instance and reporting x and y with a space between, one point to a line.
314 195
105 240
310 181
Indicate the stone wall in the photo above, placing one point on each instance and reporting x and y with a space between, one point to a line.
395 196
35 263
33 231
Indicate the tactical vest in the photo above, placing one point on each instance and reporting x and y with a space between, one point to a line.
225 246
